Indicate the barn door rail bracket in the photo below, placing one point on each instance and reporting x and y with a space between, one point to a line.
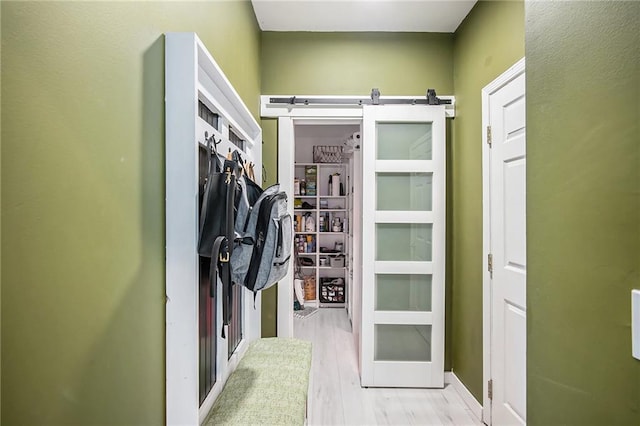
277 106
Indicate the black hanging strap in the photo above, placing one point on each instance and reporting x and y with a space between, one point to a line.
218 254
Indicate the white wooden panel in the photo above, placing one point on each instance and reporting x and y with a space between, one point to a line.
368 249
514 117
356 228
224 94
181 231
515 367
515 291
404 166
514 220
383 267
402 317
286 155
406 374
388 216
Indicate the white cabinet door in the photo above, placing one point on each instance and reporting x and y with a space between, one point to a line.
403 246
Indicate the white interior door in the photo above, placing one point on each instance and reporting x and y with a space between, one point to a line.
403 246
508 250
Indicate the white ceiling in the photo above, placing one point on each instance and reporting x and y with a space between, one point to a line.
442 16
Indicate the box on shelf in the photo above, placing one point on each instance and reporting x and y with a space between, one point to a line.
311 176
309 287
311 188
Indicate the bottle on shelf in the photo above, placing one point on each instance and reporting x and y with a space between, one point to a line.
296 186
310 223
334 185
310 245
337 225
305 244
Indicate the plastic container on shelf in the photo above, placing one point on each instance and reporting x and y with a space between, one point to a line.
336 261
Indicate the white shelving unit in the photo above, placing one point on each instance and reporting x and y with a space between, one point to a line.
324 244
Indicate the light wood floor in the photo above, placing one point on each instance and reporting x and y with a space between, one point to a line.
336 397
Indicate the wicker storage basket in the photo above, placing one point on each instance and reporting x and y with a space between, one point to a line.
309 287
327 154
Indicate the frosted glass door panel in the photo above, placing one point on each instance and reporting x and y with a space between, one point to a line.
404 141
399 292
404 191
403 242
402 342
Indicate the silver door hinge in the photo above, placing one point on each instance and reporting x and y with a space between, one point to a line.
489 140
490 264
490 389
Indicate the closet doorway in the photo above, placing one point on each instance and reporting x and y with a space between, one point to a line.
323 192
318 167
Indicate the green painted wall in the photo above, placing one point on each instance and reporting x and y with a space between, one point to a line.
0 222
583 173
353 64
83 200
270 176
487 43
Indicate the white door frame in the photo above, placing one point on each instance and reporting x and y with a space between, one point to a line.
286 173
288 116
509 75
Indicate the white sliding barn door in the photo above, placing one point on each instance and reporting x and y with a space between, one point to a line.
403 242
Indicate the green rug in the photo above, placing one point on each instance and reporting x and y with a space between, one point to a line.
269 387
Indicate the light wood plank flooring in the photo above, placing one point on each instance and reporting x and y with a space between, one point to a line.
336 397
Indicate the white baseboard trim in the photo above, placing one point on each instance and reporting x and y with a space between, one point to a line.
474 406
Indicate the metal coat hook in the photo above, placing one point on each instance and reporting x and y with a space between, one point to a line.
211 140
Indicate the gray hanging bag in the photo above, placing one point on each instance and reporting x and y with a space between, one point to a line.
263 240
